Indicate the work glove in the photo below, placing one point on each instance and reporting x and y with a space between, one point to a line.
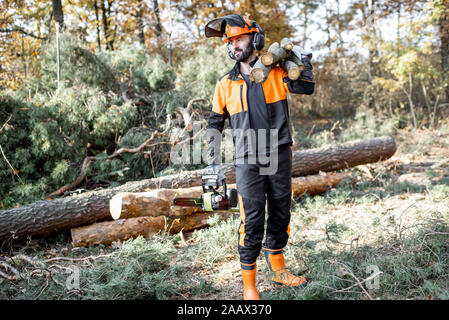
307 74
216 169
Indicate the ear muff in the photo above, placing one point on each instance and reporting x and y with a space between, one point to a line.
259 37
258 41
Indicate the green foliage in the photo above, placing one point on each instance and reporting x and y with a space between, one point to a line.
79 66
143 72
201 71
45 141
137 271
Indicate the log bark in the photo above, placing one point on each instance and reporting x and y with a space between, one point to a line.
316 184
48 216
109 231
342 156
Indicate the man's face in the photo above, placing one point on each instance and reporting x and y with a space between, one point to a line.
241 47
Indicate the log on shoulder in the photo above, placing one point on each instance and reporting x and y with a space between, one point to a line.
274 54
293 70
259 72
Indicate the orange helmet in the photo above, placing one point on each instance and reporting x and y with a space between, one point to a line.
231 31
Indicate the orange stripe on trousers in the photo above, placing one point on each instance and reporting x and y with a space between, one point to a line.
242 226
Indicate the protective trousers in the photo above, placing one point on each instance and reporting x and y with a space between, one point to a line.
254 190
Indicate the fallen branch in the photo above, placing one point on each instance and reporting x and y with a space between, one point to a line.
88 160
345 268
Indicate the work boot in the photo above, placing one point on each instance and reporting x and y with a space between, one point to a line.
276 264
249 282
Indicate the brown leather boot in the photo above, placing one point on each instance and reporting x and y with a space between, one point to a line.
276 264
249 282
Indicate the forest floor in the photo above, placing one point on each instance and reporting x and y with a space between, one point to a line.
383 233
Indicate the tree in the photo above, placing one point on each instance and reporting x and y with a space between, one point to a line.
58 15
439 12
271 15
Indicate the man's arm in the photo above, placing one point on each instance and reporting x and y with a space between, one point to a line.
215 126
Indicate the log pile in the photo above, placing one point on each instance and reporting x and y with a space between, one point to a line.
287 55
147 213
144 207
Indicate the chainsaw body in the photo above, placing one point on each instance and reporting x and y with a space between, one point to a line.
211 199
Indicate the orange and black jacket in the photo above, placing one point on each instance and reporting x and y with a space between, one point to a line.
231 101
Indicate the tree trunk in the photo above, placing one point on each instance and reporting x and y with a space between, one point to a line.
109 231
140 23
342 156
145 216
316 184
97 25
47 216
443 30
106 25
152 203
58 15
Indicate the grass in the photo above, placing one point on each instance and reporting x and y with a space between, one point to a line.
376 221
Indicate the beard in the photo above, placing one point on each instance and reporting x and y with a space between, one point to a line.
245 54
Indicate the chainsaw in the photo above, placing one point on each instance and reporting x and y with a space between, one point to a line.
211 199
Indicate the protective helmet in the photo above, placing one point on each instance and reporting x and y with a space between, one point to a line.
233 25
231 31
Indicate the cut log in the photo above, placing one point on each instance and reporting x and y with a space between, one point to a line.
293 70
259 72
316 184
109 231
274 54
152 203
48 216
295 55
287 44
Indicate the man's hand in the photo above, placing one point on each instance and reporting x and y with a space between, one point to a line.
307 74
216 169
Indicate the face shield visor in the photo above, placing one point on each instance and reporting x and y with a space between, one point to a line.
229 26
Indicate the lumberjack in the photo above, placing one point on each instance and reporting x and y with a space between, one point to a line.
258 105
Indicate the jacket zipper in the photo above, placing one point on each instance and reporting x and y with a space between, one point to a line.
241 95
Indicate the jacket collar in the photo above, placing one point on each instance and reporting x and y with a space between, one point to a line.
234 74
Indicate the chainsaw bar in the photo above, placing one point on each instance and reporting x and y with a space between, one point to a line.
188 202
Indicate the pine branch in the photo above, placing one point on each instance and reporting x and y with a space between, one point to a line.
17 29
